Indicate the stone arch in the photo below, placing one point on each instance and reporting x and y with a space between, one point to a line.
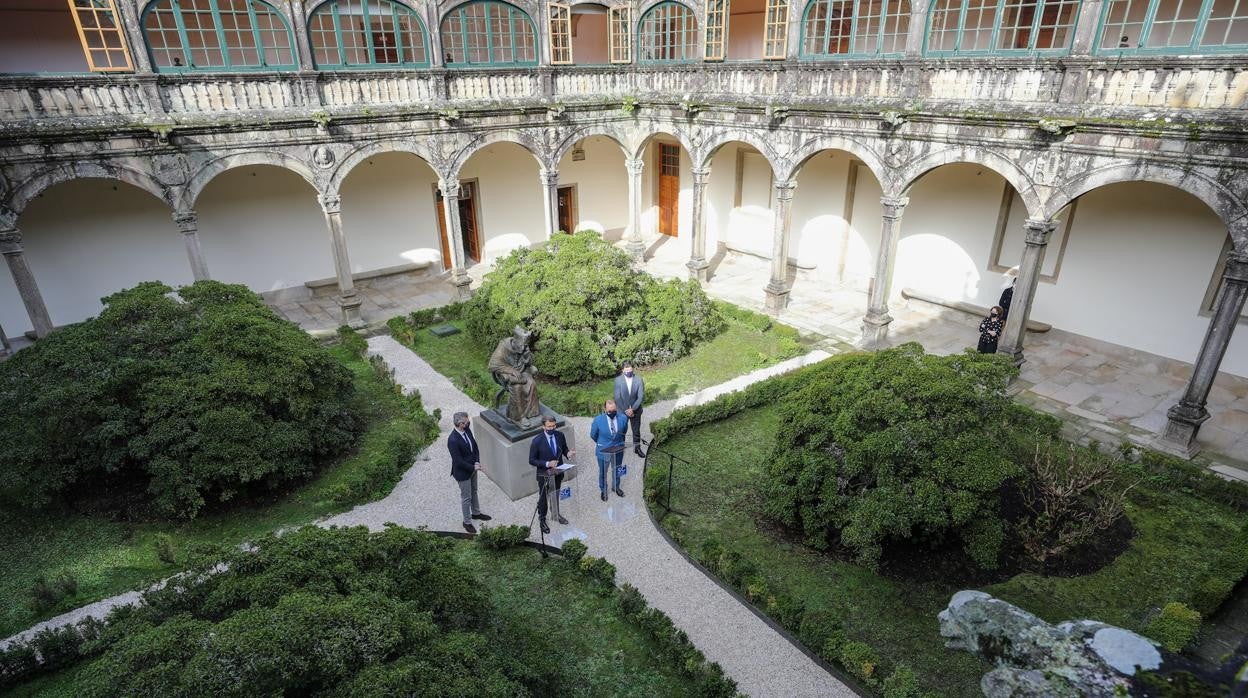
1217 196
368 150
531 8
210 170
309 7
37 184
490 138
697 7
741 136
1008 170
604 130
813 147
677 133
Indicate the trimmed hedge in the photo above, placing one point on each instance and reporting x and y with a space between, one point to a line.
171 403
589 309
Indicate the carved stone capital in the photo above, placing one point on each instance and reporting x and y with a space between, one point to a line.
634 166
549 177
449 188
331 203
1038 231
785 189
187 222
1236 271
701 175
894 206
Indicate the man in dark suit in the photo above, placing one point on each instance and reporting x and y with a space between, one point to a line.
465 464
630 393
546 452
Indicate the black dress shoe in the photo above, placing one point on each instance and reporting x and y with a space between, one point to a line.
640 453
470 528
619 492
482 517
604 495
562 521
545 528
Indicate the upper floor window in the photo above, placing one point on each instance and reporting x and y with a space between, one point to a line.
489 33
855 28
101 35
962 27
667 32
217 35
367 34
1173 26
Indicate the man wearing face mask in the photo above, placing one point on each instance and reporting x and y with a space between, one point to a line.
465 464
630 392
547 452
606 431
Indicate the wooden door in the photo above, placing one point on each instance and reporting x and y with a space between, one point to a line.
669 188
467 224
567 209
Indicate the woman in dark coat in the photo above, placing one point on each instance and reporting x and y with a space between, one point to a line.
990 331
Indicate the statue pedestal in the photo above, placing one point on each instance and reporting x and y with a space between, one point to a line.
505 451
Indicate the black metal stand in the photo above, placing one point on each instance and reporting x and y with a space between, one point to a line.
541 495
672 460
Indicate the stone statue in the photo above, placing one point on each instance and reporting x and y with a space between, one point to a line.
1081 658
511 364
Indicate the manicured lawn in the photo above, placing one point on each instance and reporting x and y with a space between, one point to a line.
1181 538
739 349
108 557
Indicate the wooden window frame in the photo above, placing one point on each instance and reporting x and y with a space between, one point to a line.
619 34
1215 285
221 49
559 33
1003 220
776 30
396 13
716 41
97 8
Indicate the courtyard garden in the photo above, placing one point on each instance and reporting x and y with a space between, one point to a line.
345 612
590 311
170 428
851 499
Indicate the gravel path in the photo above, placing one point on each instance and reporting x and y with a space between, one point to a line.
762 661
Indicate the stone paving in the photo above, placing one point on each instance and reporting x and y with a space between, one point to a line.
382 298
759 659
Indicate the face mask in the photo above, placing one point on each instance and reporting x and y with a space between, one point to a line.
629 373
610 413
549 430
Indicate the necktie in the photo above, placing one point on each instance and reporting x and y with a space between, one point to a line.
611 421
551 439
467 438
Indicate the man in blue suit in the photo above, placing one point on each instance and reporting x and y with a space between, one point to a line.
546 452
465 464
606 431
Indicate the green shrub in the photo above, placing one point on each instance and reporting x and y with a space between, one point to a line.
1175 626
816 626
165 551
171 405
859 659
631 600
902 683
573 550
46 593
598 569
1210 593
589 309
353 342
893 446
502 537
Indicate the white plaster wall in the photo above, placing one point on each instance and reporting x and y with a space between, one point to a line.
745 36
262 226
388 213
601 186
1136 268
89 238
650 196
822 235
589 38
946 235
511 198
39 40
720 195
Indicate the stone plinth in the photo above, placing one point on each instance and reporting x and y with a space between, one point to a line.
505 455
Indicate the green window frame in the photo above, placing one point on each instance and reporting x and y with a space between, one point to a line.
1001 27
668 33
488 33
855 28
217 35
368 34
1144 27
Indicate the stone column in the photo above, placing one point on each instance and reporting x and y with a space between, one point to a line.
636 246
918 28
188 223
699 268
1185 418
11 248
875 324
1037 241
777 288
450 209
1083 41
302 47
550 196
348 299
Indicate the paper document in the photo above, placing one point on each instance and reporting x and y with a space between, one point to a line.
565 466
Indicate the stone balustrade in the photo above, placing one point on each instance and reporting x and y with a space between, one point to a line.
1062 86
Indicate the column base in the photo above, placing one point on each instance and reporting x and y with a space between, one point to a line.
699 270
1179 436
875 330
637 250
463 286
350 306
1016 355
777 298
